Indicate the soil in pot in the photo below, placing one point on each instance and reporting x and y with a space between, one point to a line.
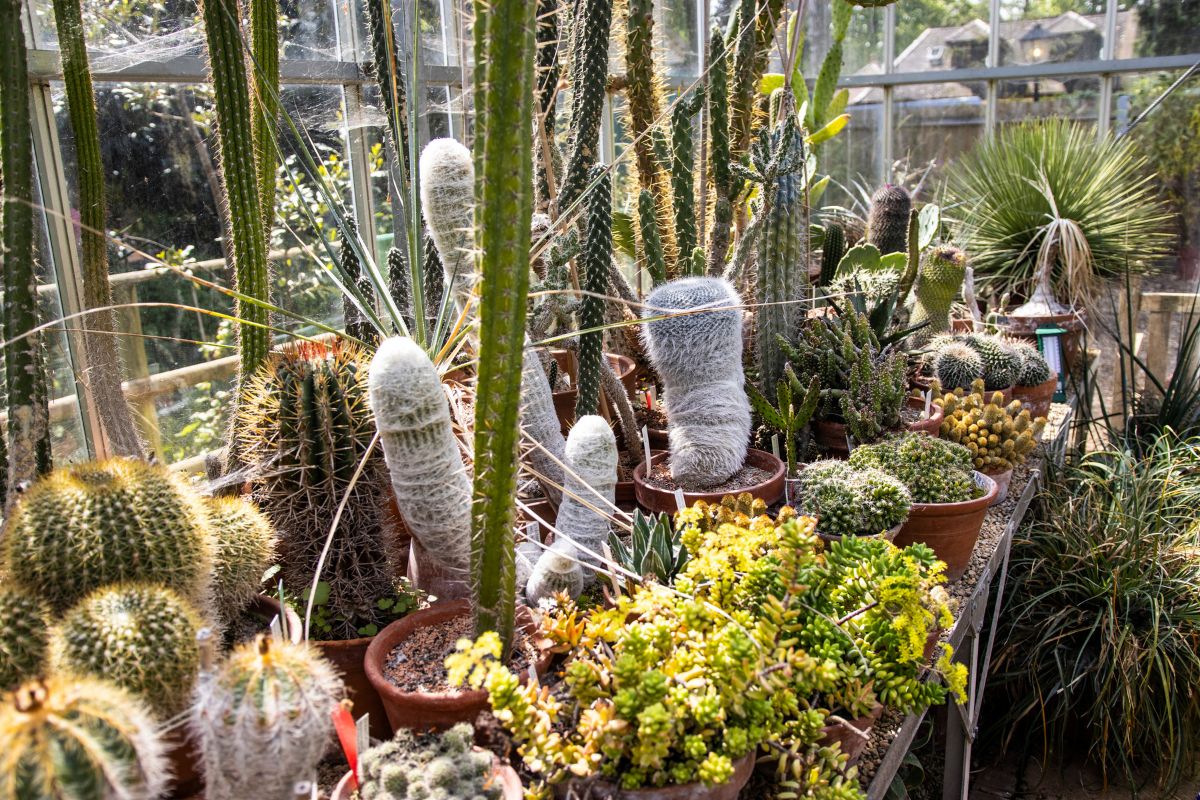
742 769
950 529
417 664
761 476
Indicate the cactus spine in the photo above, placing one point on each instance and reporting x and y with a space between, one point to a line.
591 472
356 324
682 190
720 172
589 77
887 222
1034 369
447 201
23 637
938 281
264 719
142 637
698 356
75 738
28 415
556 571
832 251
243 549
957 366
653 257
399 284
264 49
434 766
597 256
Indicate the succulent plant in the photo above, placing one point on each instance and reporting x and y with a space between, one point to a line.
264 719
75 738
698 356
97 523
998 436
955 364
887 221
23 637
938 280
1034 369
934 470
243 549
597 260
654 550
591 480
850 501
545 450
832 250
304 429
448 205
140 637
556 571
1001 363
794 407
427 766
589 76
717 113
683 198
653 258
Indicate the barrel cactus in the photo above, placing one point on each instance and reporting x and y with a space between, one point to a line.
1034 369
956 364
887 221
934 470
938 281
1001 363
430 766
23 637
77 739
141 637
243 550
264 720
557 571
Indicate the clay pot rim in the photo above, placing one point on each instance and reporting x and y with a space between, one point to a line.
964 506
1039 388
765 461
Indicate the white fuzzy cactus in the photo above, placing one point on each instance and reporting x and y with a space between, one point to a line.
591 483
557 570
545 446
431 484
698 356
527 556
448 204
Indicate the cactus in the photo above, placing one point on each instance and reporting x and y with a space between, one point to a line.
264 720
23 637
938 281
875 394
998 436
447 203
539 424
698 356
548 72
303 429
1034 369
683 197
653 259
432 487
140 636
795 406
887 222
589 77
399 284
591 481
434 278
101 522
264 59
933 469
556 571
25 376
956 365
597 256
1001 363
742 41
388 70
849 501
76 738
527 555
356 324
832 251
430 766
720 172
243 549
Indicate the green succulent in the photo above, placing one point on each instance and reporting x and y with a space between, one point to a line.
1034 369
934 470
852 502
957 365
654 550
1001 363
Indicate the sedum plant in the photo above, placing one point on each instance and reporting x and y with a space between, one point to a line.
934 470
852 502
427 766
23 638
998 436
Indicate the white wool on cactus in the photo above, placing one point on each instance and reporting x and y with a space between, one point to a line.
557 570
448 204
542 443
698 356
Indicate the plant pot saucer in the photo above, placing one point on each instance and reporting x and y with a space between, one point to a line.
657 500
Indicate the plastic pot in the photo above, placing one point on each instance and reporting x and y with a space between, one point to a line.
742 769
950 529
504 775
564 399
1037 398
852 743
1002 480
656 500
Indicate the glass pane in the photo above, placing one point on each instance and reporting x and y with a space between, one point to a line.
1157 28
1040 32
862 51
678 53
933 35
1067 97
853 156
935 123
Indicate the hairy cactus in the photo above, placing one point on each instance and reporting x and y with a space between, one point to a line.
448 203
304 428
557 571
597 258
540 426
887 222
1034 369
591 481
243 549
76 738
589 77
999 437
934 470
23 637
698 355
101 522
957 365
938 281
832 251
432 487
428 766
654 260
1001 363
849 501
140 636
264 720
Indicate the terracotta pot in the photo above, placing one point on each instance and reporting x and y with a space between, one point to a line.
183 756
1037 398
564 399
1002 480
932 424
502 774
656 500
660 439
852 744
830 436
742 769
268 608
1074 323
428 573
429 710
951 529
626 492
347 656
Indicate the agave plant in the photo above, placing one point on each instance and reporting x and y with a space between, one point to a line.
654 551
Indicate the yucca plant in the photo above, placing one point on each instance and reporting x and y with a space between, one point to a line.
1051 190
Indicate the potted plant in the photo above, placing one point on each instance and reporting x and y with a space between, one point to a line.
958 361
1036 383
849 501
950 499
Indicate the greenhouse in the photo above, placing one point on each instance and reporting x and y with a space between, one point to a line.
590 399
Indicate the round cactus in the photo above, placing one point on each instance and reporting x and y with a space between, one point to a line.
1001 363
850 501
243 549
431 766
887 222
77 739
557 571
23 637
1034 369
103 522
934 470
139 636
264 719
957 365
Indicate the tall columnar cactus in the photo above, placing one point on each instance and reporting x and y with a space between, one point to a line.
100 342
742 41
698 356
264 73
304 429
589 77
140 636
388 69
548 72
504 52
400 284
591 473
23 637
540 425
655 261
556 571
720 173
96 523
887 222
597 256
683 196
264 720
832 251
432 487
938 281
356 323
448 203
243 544
69 737
28 416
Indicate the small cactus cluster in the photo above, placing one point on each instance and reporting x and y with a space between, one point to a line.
1034 369
996 361
998 436
849 501
934 470
428 766
957 365
1001 363
23 637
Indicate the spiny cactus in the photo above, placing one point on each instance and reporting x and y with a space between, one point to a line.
355 322
717 122
428 766
938 281
934 470
23 637
448 203
956 365
589 77
434 277
399 284
741 41
887 222
540 425
683 197
698 356
264 720
849 501
548 73
653 258
387 68
591 480
556 571
75 739
432 487
1001 364
140 636
1034 369
101 522
998 436
597 256
304 429
243 549
832 251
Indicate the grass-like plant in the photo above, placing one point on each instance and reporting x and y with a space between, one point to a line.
1051 190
